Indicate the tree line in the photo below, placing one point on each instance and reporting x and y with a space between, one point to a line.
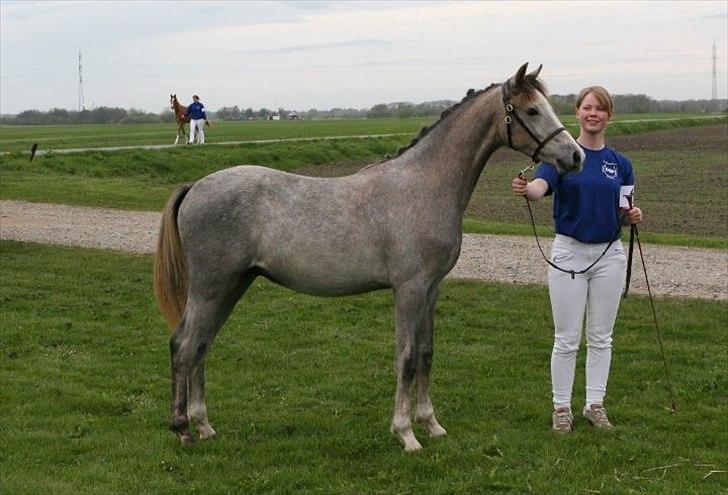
99 115
563 104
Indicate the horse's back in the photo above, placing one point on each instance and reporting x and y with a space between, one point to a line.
316 235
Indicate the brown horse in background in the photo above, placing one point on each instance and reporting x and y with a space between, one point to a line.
179 113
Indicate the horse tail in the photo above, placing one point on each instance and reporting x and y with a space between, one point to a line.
170 266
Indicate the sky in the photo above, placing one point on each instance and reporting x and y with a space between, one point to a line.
304 54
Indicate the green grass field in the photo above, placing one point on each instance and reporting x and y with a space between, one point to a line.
21 138
300 390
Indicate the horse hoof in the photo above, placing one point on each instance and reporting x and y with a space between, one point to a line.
407 438
185 438
412 446
432 427
437 431
207 435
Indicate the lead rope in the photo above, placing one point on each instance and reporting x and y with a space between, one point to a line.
522 175
673 406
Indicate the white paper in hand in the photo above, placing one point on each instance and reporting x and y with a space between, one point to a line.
624 193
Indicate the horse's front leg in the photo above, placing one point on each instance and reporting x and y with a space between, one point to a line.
410 315
424 412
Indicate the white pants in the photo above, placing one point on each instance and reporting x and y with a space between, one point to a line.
198 124
596 292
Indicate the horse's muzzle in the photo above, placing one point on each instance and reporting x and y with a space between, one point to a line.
573 163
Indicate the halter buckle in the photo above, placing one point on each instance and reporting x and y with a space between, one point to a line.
522 173
509 108
508 119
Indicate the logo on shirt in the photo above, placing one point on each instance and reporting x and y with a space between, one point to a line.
609 169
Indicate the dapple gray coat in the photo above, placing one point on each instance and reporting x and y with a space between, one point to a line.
394 224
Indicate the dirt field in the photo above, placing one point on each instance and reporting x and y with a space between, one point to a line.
698 139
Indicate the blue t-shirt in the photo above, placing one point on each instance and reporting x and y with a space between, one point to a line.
196 111
586 204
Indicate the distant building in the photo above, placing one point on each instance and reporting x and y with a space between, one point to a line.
294 116
274 116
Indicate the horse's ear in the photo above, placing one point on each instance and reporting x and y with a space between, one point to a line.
520 76
534 75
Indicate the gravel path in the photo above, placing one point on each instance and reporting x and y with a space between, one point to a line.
65 151
673 271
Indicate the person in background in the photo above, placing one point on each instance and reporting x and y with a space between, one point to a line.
198 118
587 217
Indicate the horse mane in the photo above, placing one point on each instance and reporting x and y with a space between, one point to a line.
528 89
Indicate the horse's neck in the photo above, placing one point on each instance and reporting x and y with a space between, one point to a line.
179 109
455 151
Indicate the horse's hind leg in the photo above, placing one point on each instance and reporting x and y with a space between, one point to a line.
196 407
179 422
424 412
410 315
189 346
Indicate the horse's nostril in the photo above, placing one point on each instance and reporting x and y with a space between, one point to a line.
577 158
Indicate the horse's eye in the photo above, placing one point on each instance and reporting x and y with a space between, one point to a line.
532 112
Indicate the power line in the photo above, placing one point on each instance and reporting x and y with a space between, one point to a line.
81 105
714 93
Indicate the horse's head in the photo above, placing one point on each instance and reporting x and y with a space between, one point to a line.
173 101
531 125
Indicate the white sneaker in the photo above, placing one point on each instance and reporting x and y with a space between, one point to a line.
562 420
596 415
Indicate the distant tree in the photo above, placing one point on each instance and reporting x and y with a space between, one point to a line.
167 115
58 116
248 114
229 113
107 115
631 103
30 117
379 111
563 104
135 116
405 110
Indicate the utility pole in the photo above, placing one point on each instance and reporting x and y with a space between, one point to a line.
81 104
714 93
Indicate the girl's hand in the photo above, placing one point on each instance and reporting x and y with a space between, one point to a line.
519 186
633 216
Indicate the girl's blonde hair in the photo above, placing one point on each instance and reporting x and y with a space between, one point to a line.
602 96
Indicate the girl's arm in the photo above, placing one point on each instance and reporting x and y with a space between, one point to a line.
535 189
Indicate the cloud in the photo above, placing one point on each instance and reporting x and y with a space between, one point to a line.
315 47
325 54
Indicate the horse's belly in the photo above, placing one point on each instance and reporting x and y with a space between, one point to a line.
323 278
325 268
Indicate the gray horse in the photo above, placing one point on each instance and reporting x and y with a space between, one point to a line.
394 224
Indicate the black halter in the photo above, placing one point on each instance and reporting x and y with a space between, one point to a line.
512 114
